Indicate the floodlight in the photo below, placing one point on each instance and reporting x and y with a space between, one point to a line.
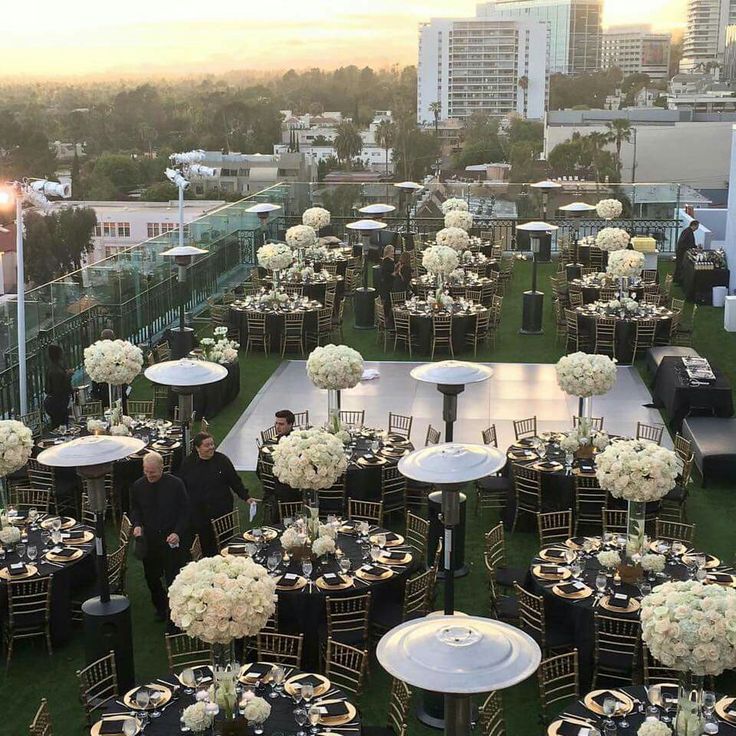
188 157
51 188
199 170
176 178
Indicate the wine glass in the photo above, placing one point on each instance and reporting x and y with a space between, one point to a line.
32 516
623 722
273 562
277 675
654 694
130 727
251 549
56 524
375 553
709 702
307 568
381 540
21 549
314 716
576 568
600 583
156 697
56 536
609 708
300 716
297 696
345 565
307 692
142 698
190 681
32 552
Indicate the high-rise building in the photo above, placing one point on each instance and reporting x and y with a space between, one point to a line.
729 54
494 66
637 50
574 29
704 42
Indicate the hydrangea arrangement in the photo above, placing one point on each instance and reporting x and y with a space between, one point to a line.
440 259
637 470
691 627
16 444
274 256
219 349
625 303
316 253
10 535
113 361
454 203
309 459
609 559
218 599
96 426
652 562
612 238
586 374
583 435
453 237
301 236
654 728
316 218
257 710
323 546
459 218
196 718
609 209
335 367
625 264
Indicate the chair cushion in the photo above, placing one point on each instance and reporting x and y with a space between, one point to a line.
507 608
677 494
505 576
494 483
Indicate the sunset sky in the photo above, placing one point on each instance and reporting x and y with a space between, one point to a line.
86 37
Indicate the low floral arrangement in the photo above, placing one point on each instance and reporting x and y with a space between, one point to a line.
316 253
459 218
691 627
218 599
310 533
608 559
612 239
309 459
627 304
323 546
588 240
440 259
220 349
653 563
335 367
453 237
257 710
274 256
585 374
196 718
653 728
113 361
96 426
624 264
316 218
582 436
301 236
454 203
637 470
609 209
10 535
16 445
275 296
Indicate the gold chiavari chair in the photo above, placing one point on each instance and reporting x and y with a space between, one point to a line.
651 432
673 505
532 620
607 293
355 418
528 490
494 544
98 685
525 428
559 683
268 435
290 509
161 401
475 295
667 286
649 276
480 331
653 671
492 491
605 336
616 649
490 716
400 424
652 299
324 328
574 340
332 499
345 666
433 436
416 536
117 567
674 531
393 490
686 330
596 423
284 649
28 612
442 333
293 290
41 724
293 333
370 511
138 408
590 502
195 551
644 333
495 320
402 329
184 651
397 298
126 527
162 351
575 295
301 419
33 421
225 527
677 305
92 409
418 593
560 322
347 618
379 319
24 499
257 334
398 712
554 527
614 521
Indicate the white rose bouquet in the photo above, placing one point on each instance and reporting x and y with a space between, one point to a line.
323 546
584 435
612 238
454 203
440 259
585 374
609 209
309 458
691 627
218 599
119 430
196 718
654 728
652 562
316 218
608 559
294 537
625 264
301 236
16 444
113 361
316 253
220 349
10 535
335 367
96 426
257 710
453 237
274 256
459 218
637 470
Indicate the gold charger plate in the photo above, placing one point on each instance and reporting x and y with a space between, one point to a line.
363 575
66 522
95 730
532 457
198 667
591 705
129 700
405 560
347 582
51 557
396 542
31 570
557 559
348 529
710 561
268 534
166 448
576 596
298 585
87 536
631 608
546 466
338 720
654 547
244 672
225 551
320 689
572 544
563 573
723 706
371 463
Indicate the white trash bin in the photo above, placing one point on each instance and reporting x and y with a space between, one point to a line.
729 314
719 296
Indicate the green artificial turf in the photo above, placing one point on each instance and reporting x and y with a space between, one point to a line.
33 675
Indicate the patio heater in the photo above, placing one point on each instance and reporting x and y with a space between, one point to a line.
106 617
533 300
465 655
409 189
183 336
365 295
263 210
546 187
576 210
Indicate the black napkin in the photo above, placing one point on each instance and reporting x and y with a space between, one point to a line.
569 729
373 570
622 602
332 578
335 709
65 552
166 442
586 466
17 568
288 582
236 549
601 697
258 669
579 541
549 570
570 588
108 727
307 679
548 465
202 673
76 534
393 555
526 441
668 693
555 554
720 577
391 537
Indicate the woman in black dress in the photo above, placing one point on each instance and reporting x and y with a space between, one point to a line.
58 387
402 274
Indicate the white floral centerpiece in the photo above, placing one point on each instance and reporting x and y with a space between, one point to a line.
274 256
583 438
316 253
309 537
653 728
608 559
624 303
460 219
323 546
453 237
196 718
9 535
612 239
220 349
220 599
301 236
623 264
16 445
316 218
96 426
454 203
257 710
585 374
609 209
440 259
335 367
310 459
653 563
113 361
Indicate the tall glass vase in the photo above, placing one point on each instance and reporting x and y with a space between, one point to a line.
225 671
635 526
276 278
333 409
689 715
440 281
623 287
585 407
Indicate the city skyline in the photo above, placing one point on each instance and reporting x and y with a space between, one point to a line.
140 38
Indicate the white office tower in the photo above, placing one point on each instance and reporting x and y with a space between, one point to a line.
705 35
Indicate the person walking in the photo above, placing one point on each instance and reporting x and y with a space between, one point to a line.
685 242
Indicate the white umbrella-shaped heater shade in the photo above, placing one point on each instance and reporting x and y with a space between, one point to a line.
458 655
376 209
537 227
451 372
262 207
185 372
365 225
577 207
90 450
451 462
546 184
408 185
184 250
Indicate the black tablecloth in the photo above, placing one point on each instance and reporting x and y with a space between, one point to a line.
593 293
421 328
673 391
625 330
698 284
211 399
274 325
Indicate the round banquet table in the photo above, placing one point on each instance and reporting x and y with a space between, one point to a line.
281 721
274 321
420 321
591 288
70 575
574 615
316 289
301 603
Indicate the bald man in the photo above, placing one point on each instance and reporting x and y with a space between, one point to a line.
159 511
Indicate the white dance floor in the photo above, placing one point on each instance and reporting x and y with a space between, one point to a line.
516 391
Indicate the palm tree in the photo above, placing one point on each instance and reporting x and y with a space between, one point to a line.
385 135
597 142
348 142
524 86
436 108
619 130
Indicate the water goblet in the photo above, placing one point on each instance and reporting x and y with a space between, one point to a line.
56 524
56 536
314 715
32 552
620 708
277 675
155 698
381 540
709 702
609 708
189 680
307 692
130 727
251 549
300 716
32 516
601 581
345 565
375 552
645 587
297 694
710 725
576 568
21 549
307 568
651 713
142 698
273 562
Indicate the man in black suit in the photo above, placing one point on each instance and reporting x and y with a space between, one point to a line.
159 512
685 242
